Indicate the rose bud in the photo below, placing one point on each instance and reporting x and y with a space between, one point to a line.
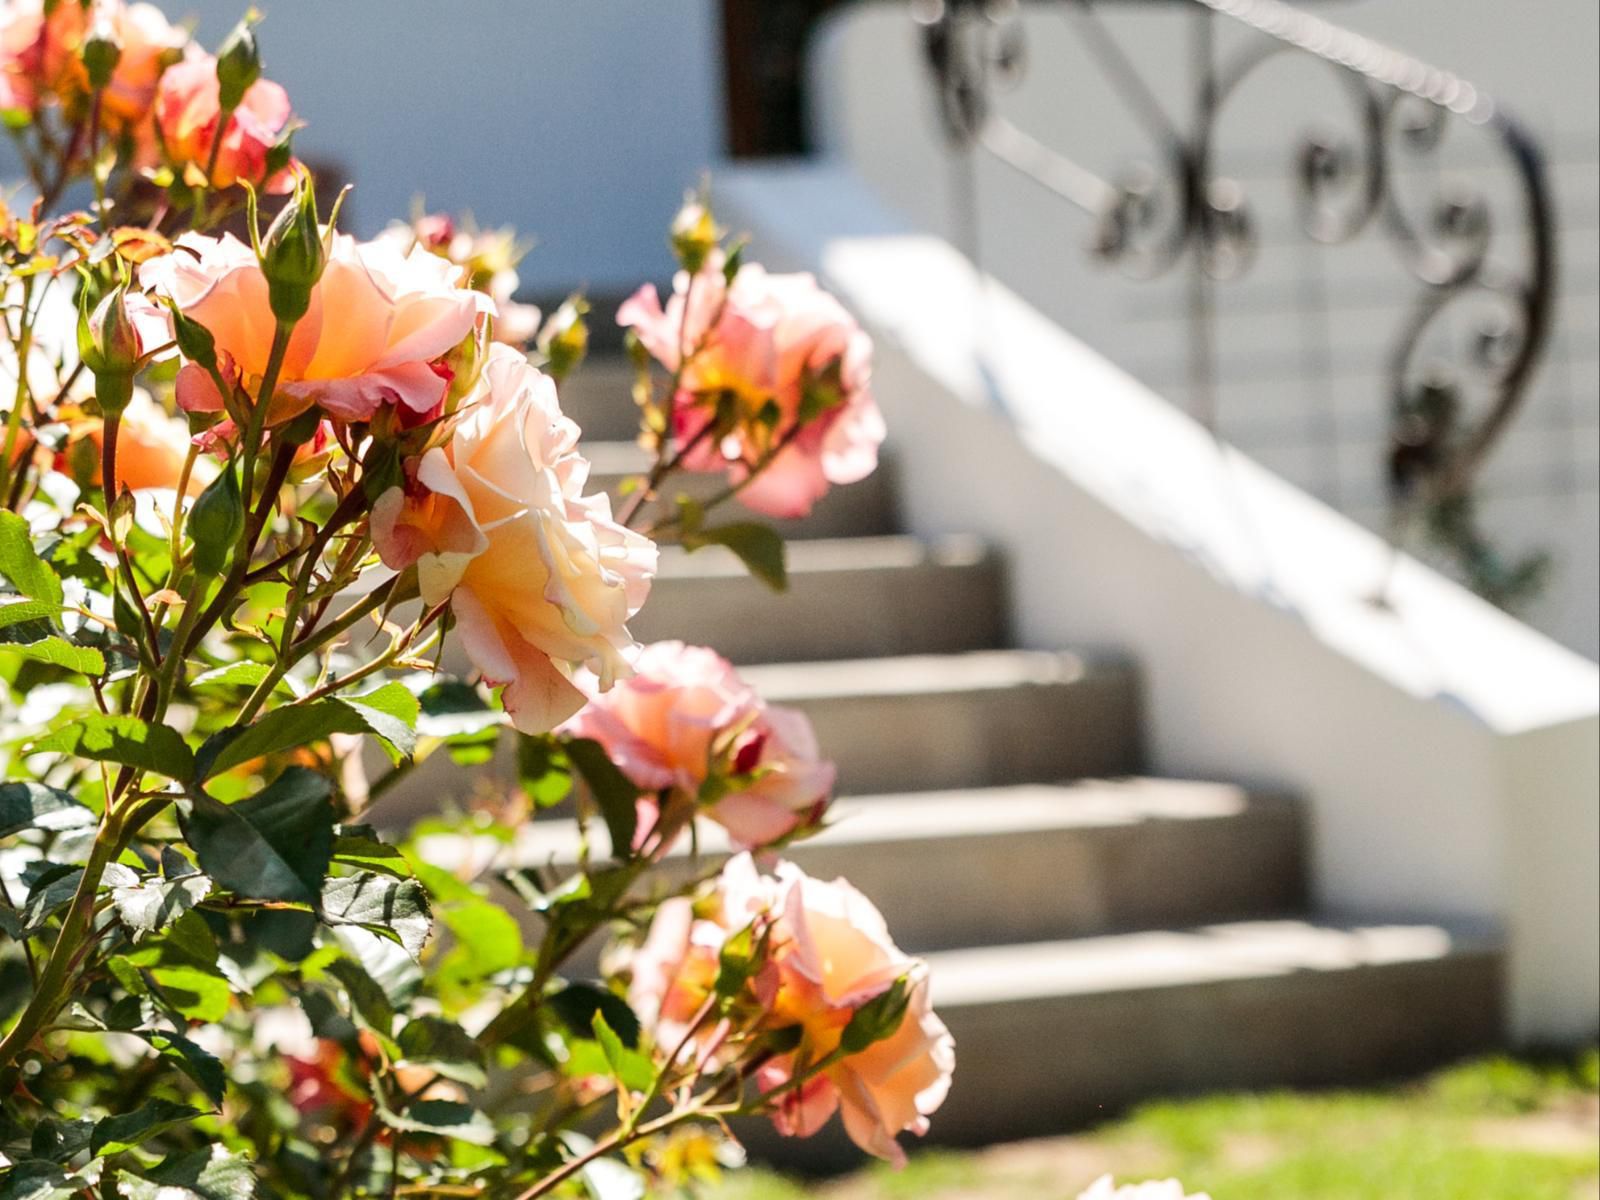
216 521
238 64
101 52
109 345
293 254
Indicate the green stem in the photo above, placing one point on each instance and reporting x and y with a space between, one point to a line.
24 348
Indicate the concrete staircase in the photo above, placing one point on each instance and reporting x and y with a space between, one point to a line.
1096 936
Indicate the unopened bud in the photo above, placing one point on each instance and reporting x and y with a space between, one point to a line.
564 340
694 234
216 521
878 1018
109 345
293 254
101 52
238 63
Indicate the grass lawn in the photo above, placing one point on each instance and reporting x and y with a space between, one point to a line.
1496 1129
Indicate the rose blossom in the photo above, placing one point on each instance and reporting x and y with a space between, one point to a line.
39 55
766 339
489 260
378 320
685 717
188 111
541 580
151 447
1105 1188
829 954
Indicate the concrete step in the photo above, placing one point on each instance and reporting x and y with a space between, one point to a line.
1052 1036
851 597
599 397
860 509
978 719
1025 863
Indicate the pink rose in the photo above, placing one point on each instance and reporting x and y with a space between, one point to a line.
829 954
188 111
541 580
685 718
488 259
378 321
766 340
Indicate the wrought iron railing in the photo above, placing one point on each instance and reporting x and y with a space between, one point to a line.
1444 417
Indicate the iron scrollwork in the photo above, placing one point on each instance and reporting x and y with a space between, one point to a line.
1446 414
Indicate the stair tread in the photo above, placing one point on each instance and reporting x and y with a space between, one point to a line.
1177 958
967 671
900 817
883 552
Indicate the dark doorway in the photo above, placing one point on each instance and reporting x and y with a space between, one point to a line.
764 48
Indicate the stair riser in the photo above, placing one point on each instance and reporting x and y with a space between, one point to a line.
925 609
1043 885
924 741
1041 1067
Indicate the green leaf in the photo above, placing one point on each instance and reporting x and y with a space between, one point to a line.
489 936
297 725
453 708
275 845
392 908
200 1065
155 903
578 1004
121 739
40 1180
20 564
758 546
613 791
51 892
543 769
116 1134
59 652
444 1047
359 846
239 674
367 1000
630 1068
27 805
447 1118
209 1174
60 1141
20 612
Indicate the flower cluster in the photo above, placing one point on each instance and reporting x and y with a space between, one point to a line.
281 508
822 979
694 736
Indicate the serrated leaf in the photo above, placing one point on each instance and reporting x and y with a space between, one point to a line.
368 1002
21 612
758 546
239 674
447 1118
50 893
59 652
613 791
445 1047
200 1065
60 1141
209 1174
20 564
628 1067
40 1180
150 905
27 805
274 845
113 1135
297 725
389 907
121 739
359 846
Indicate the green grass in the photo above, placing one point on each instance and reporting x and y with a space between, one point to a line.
1495 1129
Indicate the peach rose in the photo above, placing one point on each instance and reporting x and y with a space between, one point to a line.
378 322
488 258
766 340
541 580
40 56
1105 1188
151 447
188 111
829 955
685 718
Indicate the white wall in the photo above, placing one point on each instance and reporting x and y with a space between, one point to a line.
579 123
1303 393
1445 751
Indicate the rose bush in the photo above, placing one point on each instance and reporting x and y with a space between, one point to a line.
259 494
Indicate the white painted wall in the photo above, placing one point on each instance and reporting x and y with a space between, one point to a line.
1303 395
580 124
1446 752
